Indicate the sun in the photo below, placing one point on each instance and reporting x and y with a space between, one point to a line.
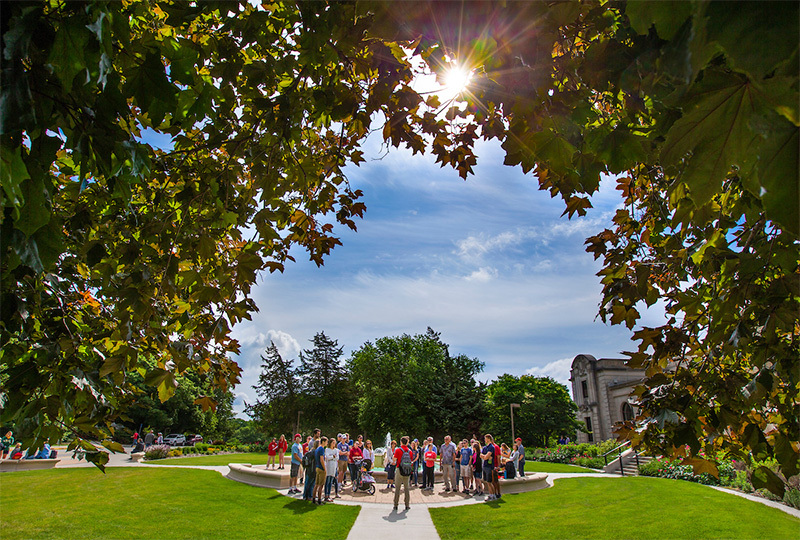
456 80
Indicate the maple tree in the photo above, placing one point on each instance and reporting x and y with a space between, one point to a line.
112 248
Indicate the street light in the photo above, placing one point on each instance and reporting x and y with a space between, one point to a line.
513 406
298 421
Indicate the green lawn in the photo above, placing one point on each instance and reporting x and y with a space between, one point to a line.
253 458
137 503
646 508
544 466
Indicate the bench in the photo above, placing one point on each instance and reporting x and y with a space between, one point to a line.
529 482
246 474
137 457
9 465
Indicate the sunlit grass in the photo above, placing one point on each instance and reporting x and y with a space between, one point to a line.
647 508
253 458
135 503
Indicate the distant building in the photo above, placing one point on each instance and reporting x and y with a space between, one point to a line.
602 390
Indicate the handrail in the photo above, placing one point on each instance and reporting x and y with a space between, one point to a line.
626 443
618 449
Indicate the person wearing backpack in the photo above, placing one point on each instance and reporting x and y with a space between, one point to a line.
402 457
310 469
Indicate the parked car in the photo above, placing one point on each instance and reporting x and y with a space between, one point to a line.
175 439
194 440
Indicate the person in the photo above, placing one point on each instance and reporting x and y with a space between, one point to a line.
496 472
297 459
477 469
139 446
561 439
447 462
319 467
272 450
136 437
402 459
344 453
283 446
390 465
44 453
369 453
521 461
465 465
430 463
331 469
415 460
456 464
16 453
6 443
511 463
149 439
489 457
160 438
356 454
308 464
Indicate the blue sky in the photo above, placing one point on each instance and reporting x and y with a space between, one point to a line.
488 262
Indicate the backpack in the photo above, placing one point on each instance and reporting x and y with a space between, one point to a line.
405 464
308 459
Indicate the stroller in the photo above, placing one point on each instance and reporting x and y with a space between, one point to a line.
364 480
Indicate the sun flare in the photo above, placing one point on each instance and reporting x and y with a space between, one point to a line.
456 80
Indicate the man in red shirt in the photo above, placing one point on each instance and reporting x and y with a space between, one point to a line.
356 453
402 456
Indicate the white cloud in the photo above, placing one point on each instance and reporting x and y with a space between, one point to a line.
557 369
482 275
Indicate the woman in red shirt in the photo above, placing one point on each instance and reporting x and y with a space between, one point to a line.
283 446
272 449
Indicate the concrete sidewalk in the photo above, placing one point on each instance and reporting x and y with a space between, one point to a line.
389 524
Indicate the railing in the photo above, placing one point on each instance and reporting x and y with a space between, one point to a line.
618 449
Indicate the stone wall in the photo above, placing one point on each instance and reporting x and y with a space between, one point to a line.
601 388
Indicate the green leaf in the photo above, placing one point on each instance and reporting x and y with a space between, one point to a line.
774 176
34 214
99 459
66 56
714 134
148 82
12 173
756 37
114 446
764 478
667 16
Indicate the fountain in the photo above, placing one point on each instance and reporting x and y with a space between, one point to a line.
380 453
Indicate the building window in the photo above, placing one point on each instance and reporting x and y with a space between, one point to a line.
588 420
627 412
585 389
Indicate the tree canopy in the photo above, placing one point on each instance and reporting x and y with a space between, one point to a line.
114 249
545 409
412 385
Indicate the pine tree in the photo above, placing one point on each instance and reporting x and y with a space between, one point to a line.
277 389
320 367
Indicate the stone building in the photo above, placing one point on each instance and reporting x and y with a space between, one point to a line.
602 390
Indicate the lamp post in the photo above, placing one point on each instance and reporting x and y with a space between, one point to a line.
299 412
513 406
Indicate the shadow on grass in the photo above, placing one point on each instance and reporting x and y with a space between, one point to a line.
495 503
300 507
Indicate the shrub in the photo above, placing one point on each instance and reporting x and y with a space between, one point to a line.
200 447
792 497
158 451
590 462
664 468
175 452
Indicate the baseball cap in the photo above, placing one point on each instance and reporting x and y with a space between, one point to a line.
296 435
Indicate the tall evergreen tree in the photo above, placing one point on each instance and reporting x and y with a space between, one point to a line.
327 398
277 390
